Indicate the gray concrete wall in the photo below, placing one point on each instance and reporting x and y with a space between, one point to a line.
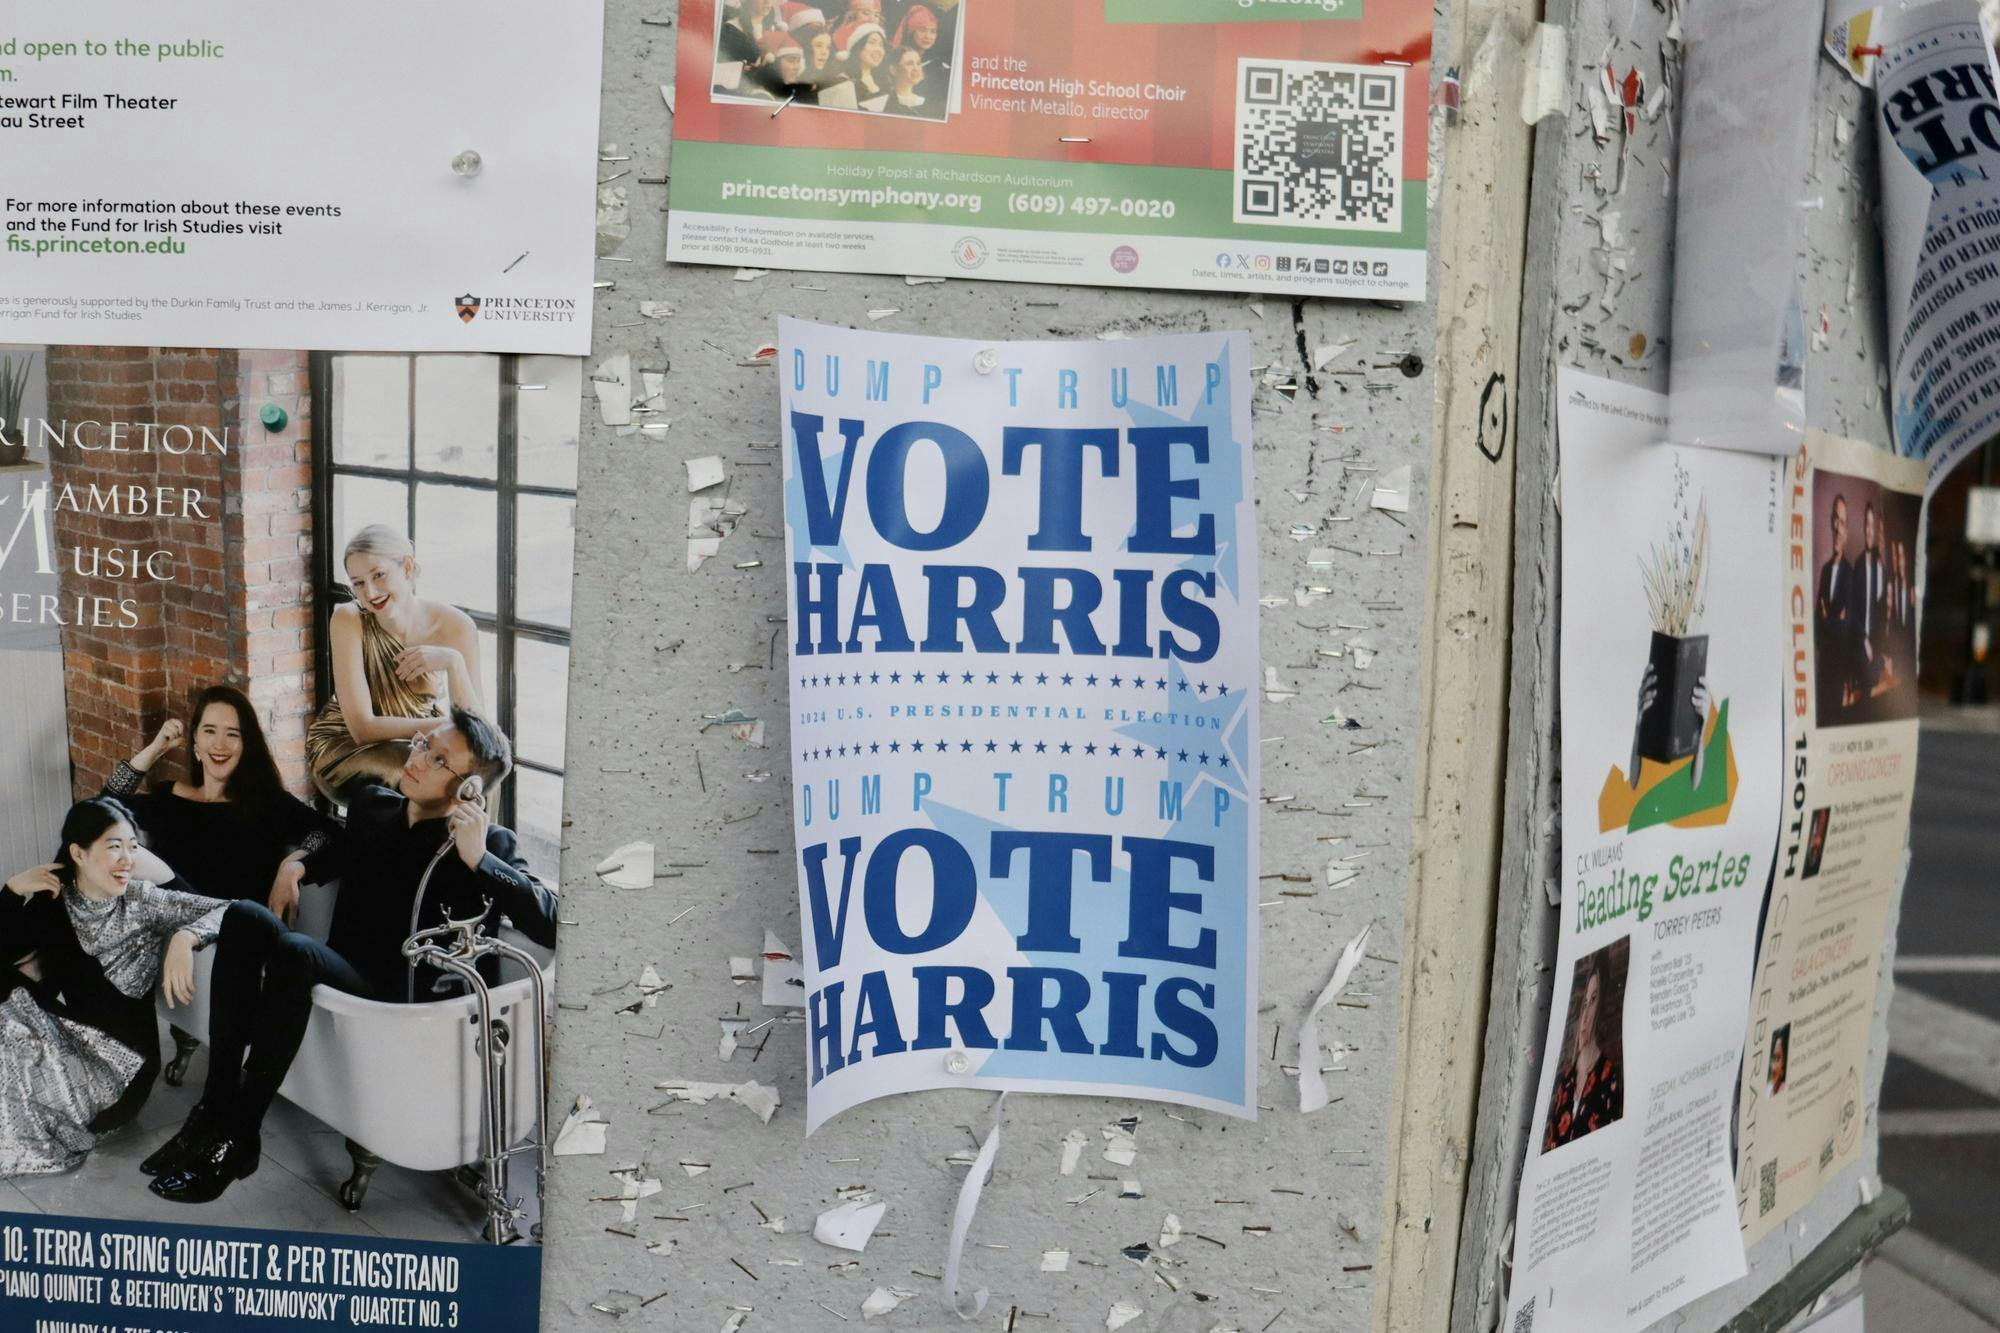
657 648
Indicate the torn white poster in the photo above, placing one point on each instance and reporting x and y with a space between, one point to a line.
1672 652
1936 115
1743 144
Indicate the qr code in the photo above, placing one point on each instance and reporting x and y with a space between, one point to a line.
1319 145
1524 1318
1767 1187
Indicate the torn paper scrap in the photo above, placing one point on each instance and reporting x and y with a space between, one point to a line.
705 472
694 1168
613 382
1073 1145
1326 354
582 1132
742 968
884 1299
784 976
1170 1231
1122 1313
1120 1147
1392 492
1274 691
848 1226
701 550
1055 1261
734 1324
632 1188
1312 1085
752 1096
614 218
725 1048
650 985
628 867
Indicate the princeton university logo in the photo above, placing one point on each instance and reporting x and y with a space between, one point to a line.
468 308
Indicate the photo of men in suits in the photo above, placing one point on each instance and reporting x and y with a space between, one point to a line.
1864 602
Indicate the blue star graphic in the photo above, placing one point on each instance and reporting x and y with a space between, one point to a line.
991 746
1203 756
1014 748
1183 685
917 677
1116 681
940 747
1138 683
895 677
1202 688
874 747
965 747
1160 684
1064 747
1222 689
895 747
1067 678
1090 747
1159 754
1115 751
874 678
1182 756
1041 678
1223 760
1090 680
1016 678
1041 747
992 678
966 679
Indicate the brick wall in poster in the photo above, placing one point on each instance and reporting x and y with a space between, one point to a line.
238 607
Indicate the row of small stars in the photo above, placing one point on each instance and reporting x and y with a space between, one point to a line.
1115 750
1015 678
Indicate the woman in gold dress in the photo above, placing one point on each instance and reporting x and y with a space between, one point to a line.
400 662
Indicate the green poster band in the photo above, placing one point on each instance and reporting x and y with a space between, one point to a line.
1074 197
1673 799
1228 11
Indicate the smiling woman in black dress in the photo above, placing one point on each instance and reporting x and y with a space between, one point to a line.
229 828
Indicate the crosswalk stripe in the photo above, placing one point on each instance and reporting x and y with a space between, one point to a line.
1940 1124
1948 965
1946 1039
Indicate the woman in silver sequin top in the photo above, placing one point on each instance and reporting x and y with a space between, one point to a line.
82 944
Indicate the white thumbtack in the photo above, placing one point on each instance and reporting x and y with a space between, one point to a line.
986 361
468 164
958 1062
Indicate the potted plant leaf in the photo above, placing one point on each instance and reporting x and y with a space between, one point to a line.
1676 583
13 393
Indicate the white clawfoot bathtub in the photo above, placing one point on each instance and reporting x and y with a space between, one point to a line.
401 1081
